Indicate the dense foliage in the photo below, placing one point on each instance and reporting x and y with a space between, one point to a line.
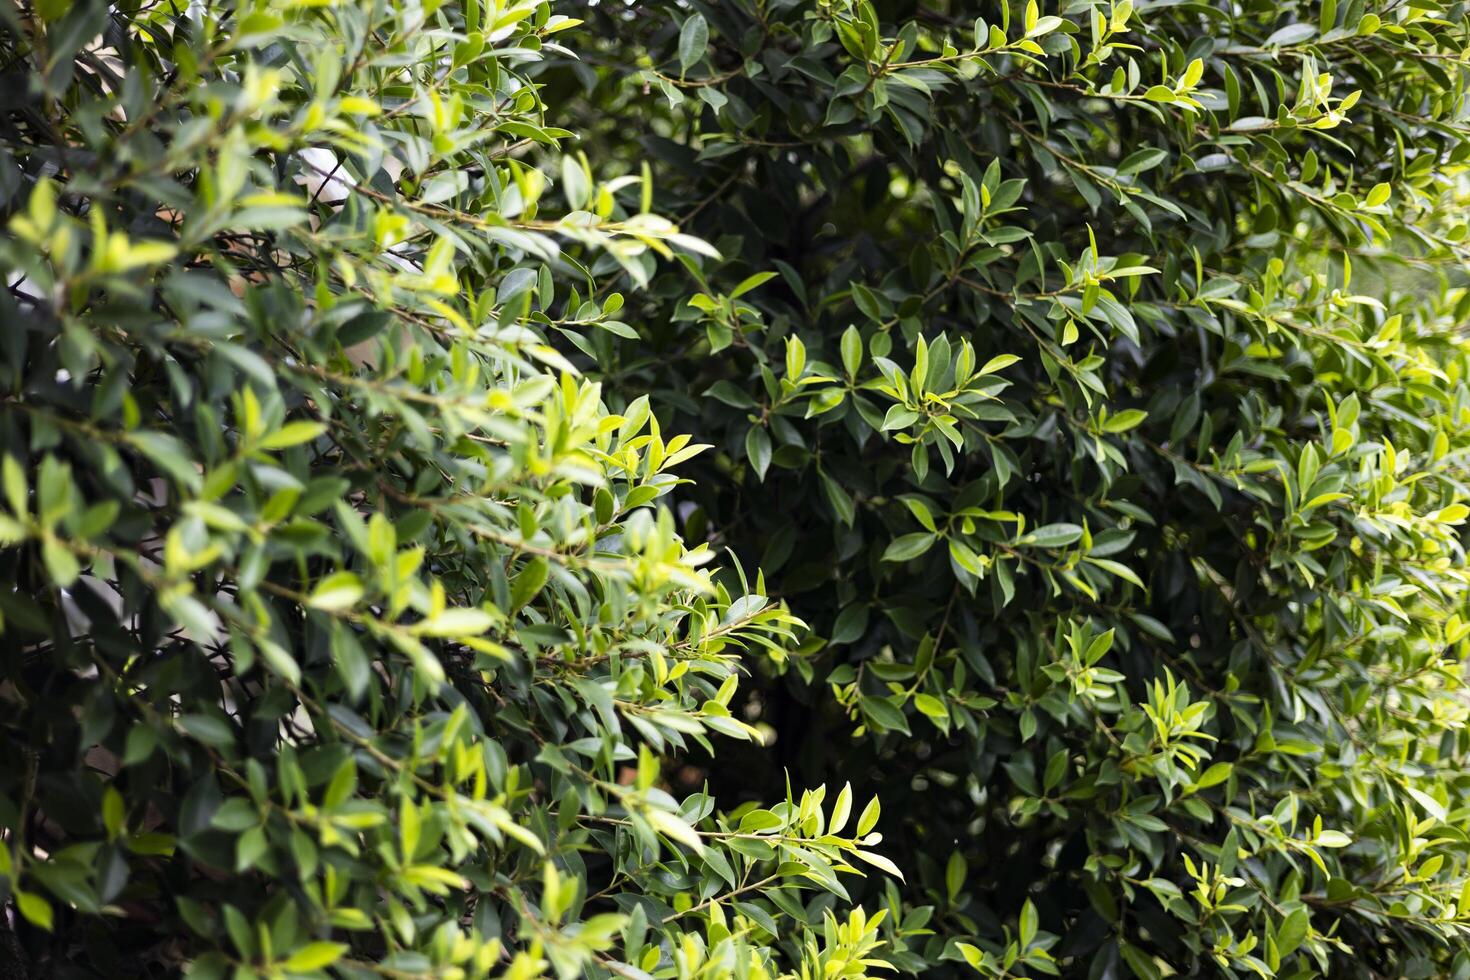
343 628
1099 400
381 385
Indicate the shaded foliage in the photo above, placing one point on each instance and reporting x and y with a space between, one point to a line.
1090 379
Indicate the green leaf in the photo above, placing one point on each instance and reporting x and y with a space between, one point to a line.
1141 161
931 707
61 564
672 827
278 660
528 581
1292 34
1127 419
884 715
758 450
972 955
1431 806
209 730
456 622
841 810
1052 536
693 41
34 909
1291 932
1026 931
1117 569
16 490
1213 776
336 592
315 956
752 281
249 848
909 546
795 357
852 350
955 871
878 861
999 363
292 434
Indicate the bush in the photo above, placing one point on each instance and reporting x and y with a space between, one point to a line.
1088 380
345 631
1091 380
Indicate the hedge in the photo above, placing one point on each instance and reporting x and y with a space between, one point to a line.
745 490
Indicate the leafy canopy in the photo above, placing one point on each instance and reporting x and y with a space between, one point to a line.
345 628
1089 376
1086 376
